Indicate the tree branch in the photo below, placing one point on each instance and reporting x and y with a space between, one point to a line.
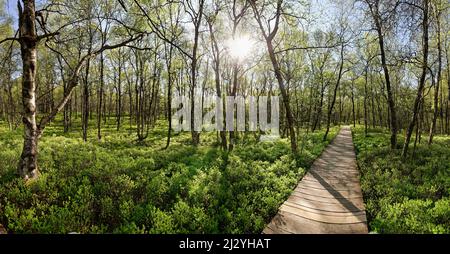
158 32
47 35
9 39
308 48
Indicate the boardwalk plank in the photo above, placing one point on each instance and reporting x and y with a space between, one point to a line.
328 199
325 218
325 206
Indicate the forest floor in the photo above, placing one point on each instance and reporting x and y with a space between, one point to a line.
119 185
404 195
328 199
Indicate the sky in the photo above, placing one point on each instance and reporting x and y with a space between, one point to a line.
11 10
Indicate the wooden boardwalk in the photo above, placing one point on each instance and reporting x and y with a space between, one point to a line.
328 200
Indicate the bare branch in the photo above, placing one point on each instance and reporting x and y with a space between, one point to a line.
159 33
47 35
308 48
9 39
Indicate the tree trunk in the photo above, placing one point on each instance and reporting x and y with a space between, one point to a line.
365 99
233 94
86 106
380 111
28 168
447 111
198 19
421 81
169 93
119 93
276 67
353 103
438 81
418 126
216 67
130 99
372 102
319 108
290 119
100 99
85 100
333 100
393 116
66 111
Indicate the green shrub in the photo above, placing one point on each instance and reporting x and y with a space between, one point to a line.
404 195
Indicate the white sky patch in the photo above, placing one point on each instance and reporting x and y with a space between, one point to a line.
240 47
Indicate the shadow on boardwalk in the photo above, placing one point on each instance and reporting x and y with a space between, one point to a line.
328 200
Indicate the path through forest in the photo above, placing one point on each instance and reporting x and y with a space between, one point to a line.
328 199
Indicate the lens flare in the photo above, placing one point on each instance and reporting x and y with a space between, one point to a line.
239 48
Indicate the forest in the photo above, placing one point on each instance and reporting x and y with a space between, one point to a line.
89 91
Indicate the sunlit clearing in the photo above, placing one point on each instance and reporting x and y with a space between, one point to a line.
239 48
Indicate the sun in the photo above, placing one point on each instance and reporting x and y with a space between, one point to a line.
239 48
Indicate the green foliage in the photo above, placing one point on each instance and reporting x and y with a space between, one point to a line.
118 186
408 195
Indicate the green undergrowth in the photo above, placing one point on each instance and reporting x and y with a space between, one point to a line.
120 185
404 195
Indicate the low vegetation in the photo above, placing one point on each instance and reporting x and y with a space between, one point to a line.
121 186
404 195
